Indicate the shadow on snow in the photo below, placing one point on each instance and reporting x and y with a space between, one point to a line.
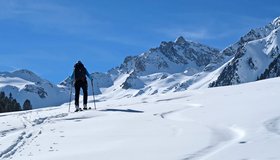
122 110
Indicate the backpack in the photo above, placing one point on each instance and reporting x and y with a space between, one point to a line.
80 72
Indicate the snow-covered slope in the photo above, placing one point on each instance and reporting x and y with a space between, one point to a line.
24 84
226 123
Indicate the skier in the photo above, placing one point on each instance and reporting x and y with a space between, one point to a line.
80 81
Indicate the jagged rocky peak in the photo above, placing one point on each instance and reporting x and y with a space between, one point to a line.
252 35
261 32
276 22
257 57
180 40
171 57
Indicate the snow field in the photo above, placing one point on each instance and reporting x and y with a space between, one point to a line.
235 122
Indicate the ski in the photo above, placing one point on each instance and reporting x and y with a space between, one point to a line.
80 110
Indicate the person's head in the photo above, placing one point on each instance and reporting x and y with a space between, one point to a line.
78 64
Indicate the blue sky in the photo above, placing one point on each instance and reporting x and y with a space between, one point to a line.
49 36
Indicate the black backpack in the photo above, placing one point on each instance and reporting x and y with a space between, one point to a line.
80 72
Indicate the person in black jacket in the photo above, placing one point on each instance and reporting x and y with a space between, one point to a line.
80 81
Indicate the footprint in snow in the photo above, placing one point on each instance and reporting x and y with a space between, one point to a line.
242 142
51 149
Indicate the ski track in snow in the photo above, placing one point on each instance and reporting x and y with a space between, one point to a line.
4 133
236 135
31 128
225 136
172 99
14 146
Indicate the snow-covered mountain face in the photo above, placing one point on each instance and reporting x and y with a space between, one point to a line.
181 65
24 84
256 57
173 66
171 57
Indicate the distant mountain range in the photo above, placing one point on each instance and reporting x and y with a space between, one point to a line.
170 67
181 65
24 84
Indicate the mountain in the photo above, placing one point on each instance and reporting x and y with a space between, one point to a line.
171 57
24 84
182 64
172 66
256 56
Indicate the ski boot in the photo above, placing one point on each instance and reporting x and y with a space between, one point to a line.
85 107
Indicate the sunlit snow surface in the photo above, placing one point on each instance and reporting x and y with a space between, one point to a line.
228 123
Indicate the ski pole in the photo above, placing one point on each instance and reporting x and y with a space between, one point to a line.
70 97
93 94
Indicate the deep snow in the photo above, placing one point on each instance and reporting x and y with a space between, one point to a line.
240 122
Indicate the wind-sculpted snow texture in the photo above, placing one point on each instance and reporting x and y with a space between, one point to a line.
235 122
